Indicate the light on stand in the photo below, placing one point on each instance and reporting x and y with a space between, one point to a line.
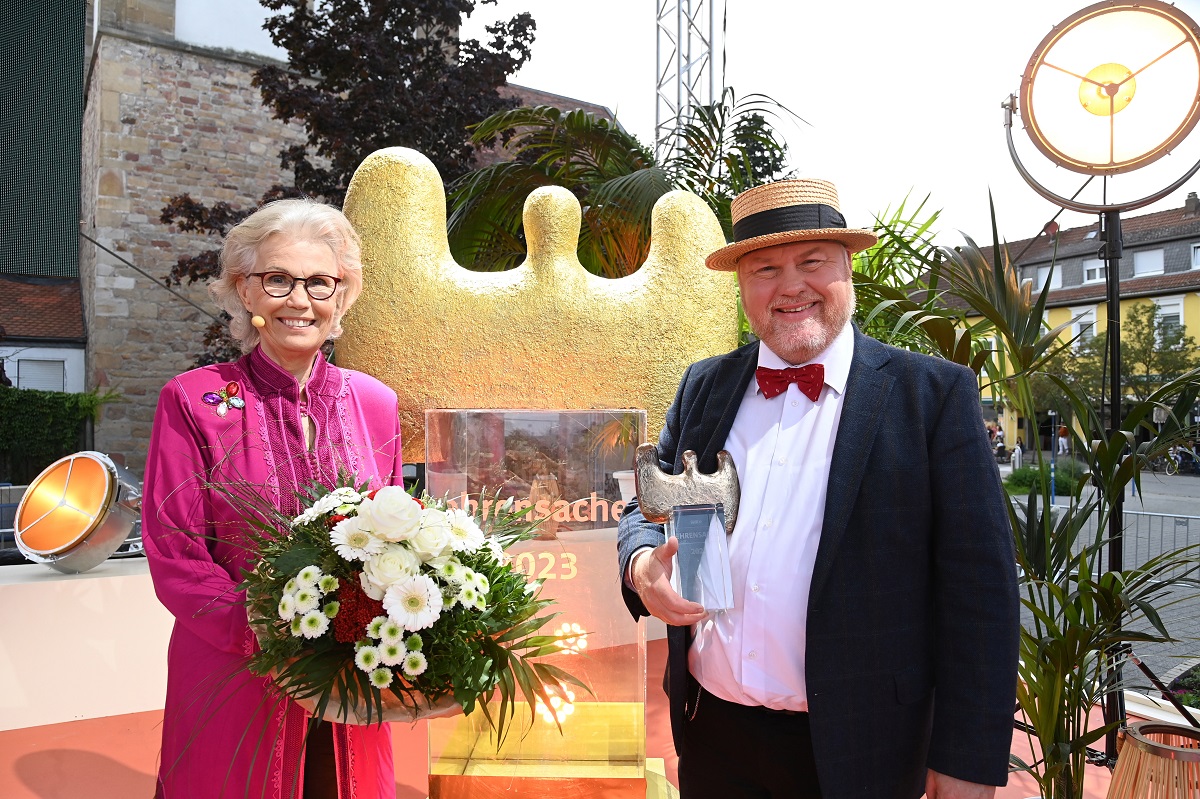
1113 88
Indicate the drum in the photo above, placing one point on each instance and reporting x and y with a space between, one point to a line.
78 512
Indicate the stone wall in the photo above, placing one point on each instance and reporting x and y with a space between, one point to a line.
161 120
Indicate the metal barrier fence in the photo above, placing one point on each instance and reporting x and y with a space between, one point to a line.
1147 535
10 497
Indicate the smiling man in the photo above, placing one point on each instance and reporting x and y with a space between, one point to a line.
872 648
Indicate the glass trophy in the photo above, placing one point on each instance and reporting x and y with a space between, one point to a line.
700 569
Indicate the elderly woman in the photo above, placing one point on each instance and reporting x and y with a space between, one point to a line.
278 419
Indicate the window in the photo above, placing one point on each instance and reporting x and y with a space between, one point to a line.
1170 312
1043 272
41 375
1147 262
1196 256
1094 270
1084 326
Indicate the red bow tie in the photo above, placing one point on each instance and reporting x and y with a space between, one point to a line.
808 379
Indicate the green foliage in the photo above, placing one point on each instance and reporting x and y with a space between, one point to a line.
1079 613
39 427
1023 479
723 149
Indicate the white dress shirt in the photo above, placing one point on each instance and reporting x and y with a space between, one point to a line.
782 447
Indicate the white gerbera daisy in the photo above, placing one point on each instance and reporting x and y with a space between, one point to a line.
392 654
327 584
314 624
465 535
287 607
414 642
416 603
308 576
367 658
352 541
307 599
391 632
414 664
381 678
375 627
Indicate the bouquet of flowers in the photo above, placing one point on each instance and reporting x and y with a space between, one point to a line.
376 605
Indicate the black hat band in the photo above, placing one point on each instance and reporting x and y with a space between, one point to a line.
789 218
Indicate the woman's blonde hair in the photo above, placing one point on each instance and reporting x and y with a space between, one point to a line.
297 220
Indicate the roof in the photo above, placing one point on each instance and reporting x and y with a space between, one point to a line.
41 308
1175 223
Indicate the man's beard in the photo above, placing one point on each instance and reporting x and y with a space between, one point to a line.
801 345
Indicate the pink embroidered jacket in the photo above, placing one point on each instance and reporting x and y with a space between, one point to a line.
224 733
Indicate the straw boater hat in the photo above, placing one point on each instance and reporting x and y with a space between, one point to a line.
784 212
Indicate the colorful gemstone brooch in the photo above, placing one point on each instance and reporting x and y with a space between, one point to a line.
225 399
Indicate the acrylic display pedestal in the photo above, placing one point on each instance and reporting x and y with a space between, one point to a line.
565 461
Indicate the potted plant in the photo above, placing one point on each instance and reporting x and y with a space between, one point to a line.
1078 613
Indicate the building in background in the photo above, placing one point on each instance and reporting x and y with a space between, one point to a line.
1160 264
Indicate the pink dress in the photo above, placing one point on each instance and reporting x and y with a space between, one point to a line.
226 733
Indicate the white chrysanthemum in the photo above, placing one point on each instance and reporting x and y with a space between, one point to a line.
381 678
366 658
481 584
467 595
314 624
331 609
392 654
352 542
414 642
432 539
465 535
414 664
415 603
295 627
375 628
327 584
287 607
391 632
307 599
291 586
453 571
394 563
392 514
308 577
493 546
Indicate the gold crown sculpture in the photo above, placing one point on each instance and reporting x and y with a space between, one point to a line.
543 336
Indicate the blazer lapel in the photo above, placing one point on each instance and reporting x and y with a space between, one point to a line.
730 379
867 390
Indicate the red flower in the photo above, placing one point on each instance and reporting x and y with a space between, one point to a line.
419 502
371 494
355 612
335 518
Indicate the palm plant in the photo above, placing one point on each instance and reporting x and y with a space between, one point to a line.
722 149
1079 614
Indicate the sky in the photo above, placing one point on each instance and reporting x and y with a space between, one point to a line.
898 99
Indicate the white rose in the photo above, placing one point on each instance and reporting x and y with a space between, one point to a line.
396 562
369 588
392 514
433 538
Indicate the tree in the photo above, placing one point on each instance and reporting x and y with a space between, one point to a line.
363 75
1154 351
725 148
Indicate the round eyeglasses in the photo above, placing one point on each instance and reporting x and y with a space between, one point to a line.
280 284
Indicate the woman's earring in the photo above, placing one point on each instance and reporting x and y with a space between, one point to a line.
258 321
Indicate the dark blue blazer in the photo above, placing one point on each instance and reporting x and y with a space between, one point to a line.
913 622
